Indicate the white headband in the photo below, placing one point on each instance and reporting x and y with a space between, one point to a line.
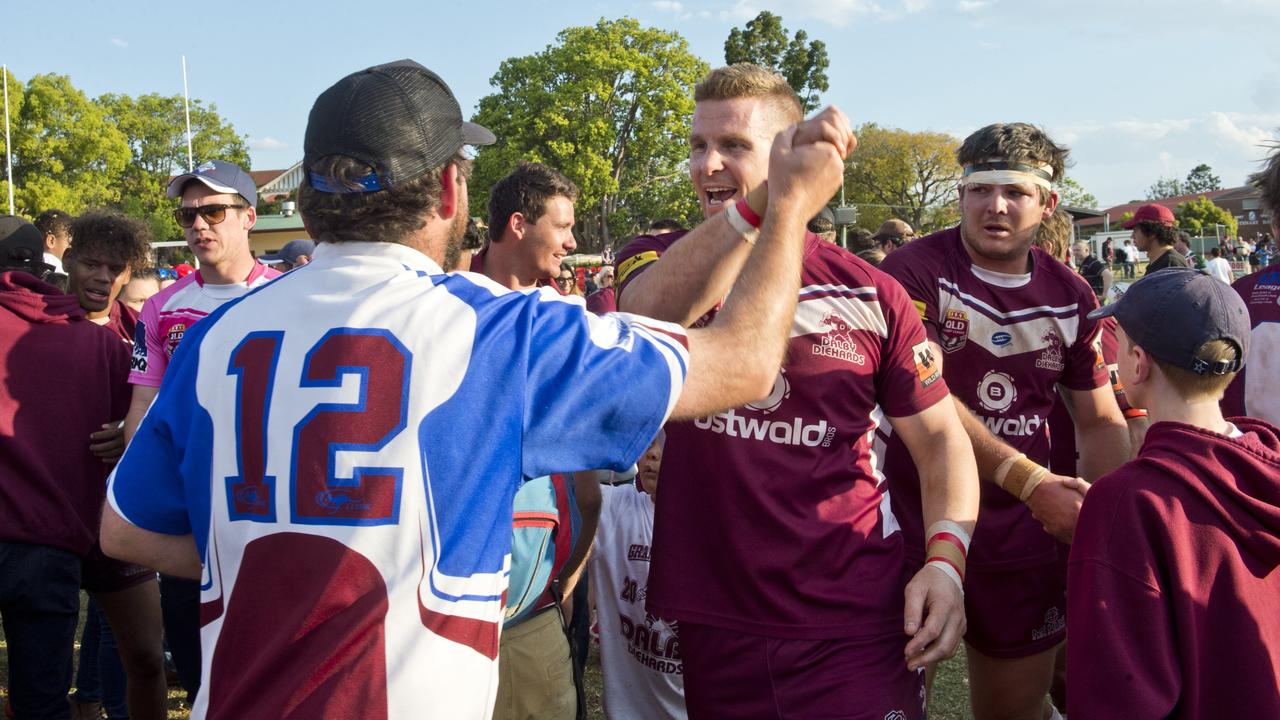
1004 172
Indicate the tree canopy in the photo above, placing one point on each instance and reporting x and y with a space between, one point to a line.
1201 179
1200 216
903 174
607 105
1072 194
803 62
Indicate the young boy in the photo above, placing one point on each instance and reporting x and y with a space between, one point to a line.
1172 588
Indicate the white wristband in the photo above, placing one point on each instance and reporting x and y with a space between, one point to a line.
947 526
739 223
948 571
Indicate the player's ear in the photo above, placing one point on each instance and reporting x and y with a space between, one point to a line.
451 192
517 224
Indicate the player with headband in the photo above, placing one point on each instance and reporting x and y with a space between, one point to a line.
1009 325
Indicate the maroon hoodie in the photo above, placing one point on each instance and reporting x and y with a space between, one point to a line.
1173 589
61 378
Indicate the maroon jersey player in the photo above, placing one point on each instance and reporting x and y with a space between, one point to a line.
1009 325
1173 579
775 547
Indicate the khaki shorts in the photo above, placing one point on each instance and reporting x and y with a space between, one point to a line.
535 676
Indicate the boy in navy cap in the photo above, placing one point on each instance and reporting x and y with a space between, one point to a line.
1172 584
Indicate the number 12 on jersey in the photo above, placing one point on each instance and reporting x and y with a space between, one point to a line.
371 495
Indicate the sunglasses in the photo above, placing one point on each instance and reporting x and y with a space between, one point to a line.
212 214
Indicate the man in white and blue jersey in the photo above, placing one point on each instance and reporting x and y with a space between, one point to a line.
341 475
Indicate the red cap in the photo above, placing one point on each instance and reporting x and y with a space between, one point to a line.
1153 212
183 269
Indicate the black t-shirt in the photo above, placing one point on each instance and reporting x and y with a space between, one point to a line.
1171 258
1091 269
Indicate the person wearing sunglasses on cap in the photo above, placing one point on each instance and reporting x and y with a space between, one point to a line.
216 212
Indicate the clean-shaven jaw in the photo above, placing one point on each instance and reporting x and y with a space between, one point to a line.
729 145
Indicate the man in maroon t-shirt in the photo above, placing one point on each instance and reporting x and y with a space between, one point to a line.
774 544
1009 325
1253 392
1175 568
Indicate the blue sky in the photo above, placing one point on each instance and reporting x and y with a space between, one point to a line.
1139 90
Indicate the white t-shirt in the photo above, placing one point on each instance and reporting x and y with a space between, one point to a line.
639 654
1220 268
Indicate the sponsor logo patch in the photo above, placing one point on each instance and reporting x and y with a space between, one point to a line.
996 392
633 263
955 330
926 364
138 360
1001 339
173 337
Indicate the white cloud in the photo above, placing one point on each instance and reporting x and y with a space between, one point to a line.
119 42
915 6
973 6
670 6
267 143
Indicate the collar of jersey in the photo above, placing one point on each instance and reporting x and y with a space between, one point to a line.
393 252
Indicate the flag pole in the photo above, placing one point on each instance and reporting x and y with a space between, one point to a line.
186 105
8 155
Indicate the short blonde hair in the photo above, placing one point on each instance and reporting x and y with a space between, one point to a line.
745 80
1054 235
1192 387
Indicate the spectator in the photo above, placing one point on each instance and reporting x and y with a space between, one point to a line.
1127 256
665 225
537 235
1154 234
142 285
640 660
55 225
1219 267
893 234
604 299
874 256
64 379
295 253
1173 580
1093 270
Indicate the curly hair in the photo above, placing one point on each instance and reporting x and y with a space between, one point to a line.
111 237
1014 141
1267 181
384 216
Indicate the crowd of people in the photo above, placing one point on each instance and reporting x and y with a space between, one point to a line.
409 468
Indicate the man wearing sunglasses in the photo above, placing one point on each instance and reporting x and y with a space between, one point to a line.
216 213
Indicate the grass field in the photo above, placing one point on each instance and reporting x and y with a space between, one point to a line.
950 699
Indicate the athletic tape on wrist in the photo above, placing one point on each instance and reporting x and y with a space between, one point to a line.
1022 477
741 224
949 572
1003 469
948 546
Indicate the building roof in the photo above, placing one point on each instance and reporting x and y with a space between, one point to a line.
277 223
1116 213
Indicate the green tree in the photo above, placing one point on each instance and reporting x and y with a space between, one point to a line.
1200 216
1165 188
802 62
1201 179
1072 194
156 129
903 174
67 153
609 106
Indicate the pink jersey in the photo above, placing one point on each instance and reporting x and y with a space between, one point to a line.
1253 392
773 518
168 314
1007 342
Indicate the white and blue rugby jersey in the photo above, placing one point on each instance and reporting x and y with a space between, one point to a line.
344 444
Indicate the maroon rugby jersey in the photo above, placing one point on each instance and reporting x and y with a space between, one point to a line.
773 518
1062 430
1007 341
1174 579
1253 392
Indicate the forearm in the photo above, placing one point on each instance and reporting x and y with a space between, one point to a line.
693 274
170 554
1104 446
989 451
587 497
949 480
143 395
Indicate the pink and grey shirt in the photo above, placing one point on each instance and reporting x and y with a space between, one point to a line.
1007 341
168 314
774 518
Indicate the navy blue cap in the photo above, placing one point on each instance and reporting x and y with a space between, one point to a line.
21 245
1172 314
220 175
290 252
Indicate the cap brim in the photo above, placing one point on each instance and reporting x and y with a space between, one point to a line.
177 184
1108 310
1130 224
473 134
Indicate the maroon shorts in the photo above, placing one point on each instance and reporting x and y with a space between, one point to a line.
1016 613
731 674
102 574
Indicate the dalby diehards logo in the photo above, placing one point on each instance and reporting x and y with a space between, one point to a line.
838 341
955 330
1051 358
